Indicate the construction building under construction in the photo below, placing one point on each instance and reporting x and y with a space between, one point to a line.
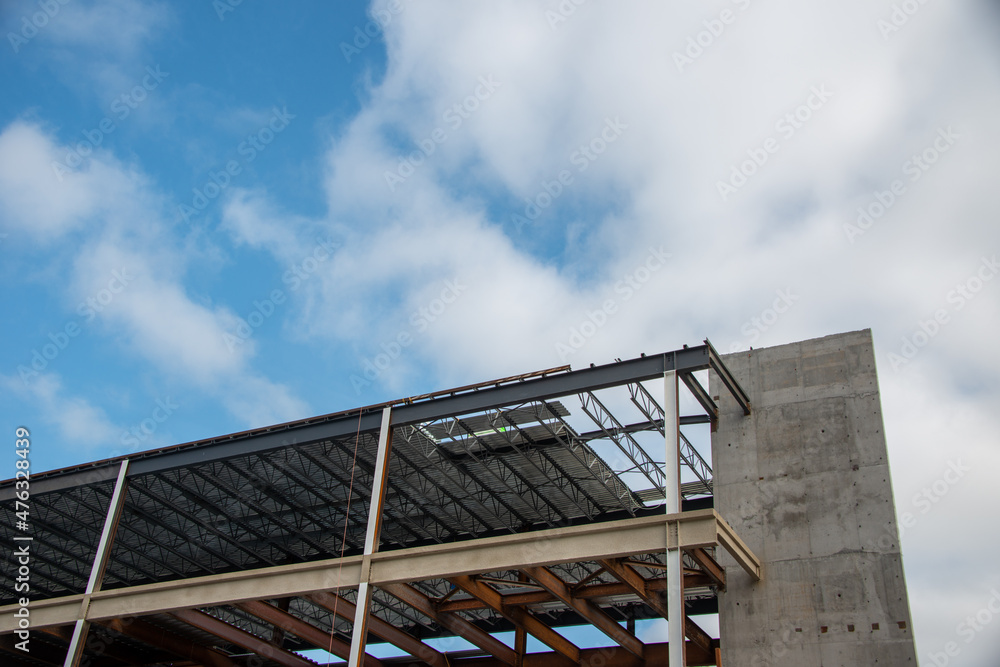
742 501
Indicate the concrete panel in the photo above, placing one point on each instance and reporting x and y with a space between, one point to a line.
805 482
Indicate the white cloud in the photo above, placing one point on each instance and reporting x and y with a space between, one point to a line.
784 229
79 422
130 265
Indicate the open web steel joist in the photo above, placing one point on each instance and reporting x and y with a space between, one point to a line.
529 504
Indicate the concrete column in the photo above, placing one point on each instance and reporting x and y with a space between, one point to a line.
672 498
82 626
360 631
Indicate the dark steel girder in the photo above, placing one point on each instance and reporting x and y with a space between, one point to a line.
404 412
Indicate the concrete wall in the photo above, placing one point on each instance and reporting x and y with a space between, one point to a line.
805 482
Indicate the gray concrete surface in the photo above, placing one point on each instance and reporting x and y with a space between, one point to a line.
805 482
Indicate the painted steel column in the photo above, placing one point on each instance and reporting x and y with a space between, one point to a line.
672 499
360 632
75 650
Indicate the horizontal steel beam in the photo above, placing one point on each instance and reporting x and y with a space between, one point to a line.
584 543
349 423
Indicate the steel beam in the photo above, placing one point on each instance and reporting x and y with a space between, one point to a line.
519 617
702 396
234 635
607 656
588 542
82 625
637 583
306 631
461 627
672 501
408 643
345 424
587 609
359 633
715 571
591 592
715 362
167 641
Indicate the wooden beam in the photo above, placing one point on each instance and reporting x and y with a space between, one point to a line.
518 616
461 627
379 628
635 581
234 635
168 641
710 566
284 621
587 609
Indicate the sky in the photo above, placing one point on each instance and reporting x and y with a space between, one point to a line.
221 215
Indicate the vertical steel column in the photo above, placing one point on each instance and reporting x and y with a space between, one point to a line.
672 497
360 632
75 650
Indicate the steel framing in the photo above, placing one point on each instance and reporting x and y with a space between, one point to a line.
268 541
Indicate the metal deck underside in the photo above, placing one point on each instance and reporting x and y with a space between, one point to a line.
542 451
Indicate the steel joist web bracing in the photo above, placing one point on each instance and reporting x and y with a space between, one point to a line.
529 503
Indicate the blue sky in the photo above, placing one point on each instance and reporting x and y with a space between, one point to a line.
219 219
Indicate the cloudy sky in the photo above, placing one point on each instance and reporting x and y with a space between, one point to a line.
220 215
